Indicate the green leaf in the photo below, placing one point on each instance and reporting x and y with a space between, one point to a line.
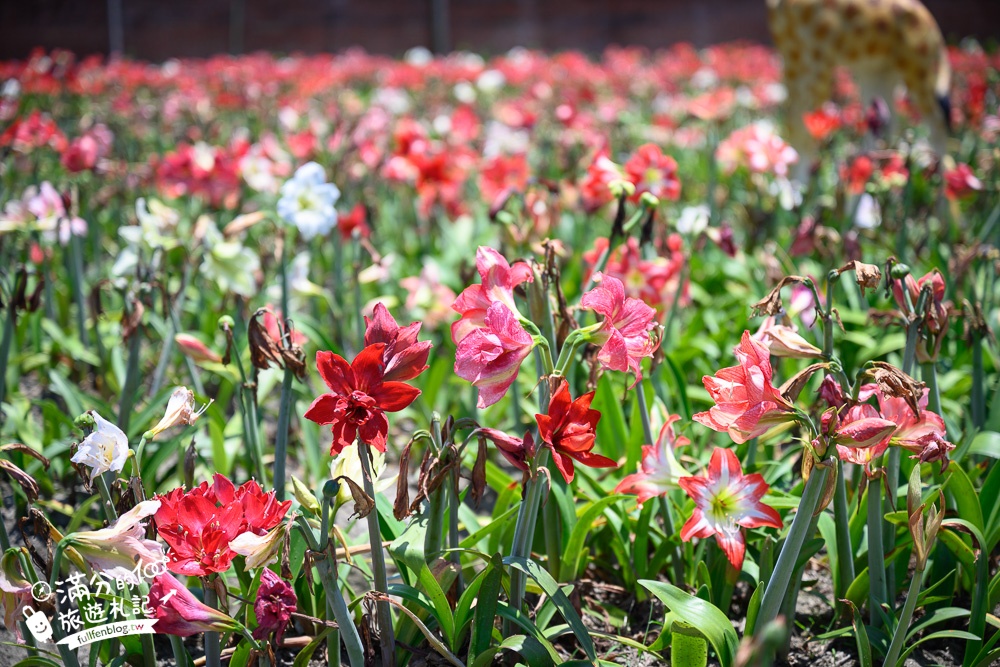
860 636
527 647
574 552
943 634
688 647
551 588
305 655
706 617
486 608
408 549
964 494
986 443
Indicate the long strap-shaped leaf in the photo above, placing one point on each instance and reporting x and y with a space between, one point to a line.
551 588
704 616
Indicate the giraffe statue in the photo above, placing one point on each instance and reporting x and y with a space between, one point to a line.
883 43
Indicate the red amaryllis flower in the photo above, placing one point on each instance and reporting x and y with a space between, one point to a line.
197 530
725 502
179 612
274 606
358 398
404 357
595 187
491 355
261 511
659 470
569 429
625 335
499 280
653 172
960 182
518 452
823 122
747 404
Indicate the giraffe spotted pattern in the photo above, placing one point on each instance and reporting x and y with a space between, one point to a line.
883 43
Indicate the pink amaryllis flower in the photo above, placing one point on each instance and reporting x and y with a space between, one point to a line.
499 280
726 501
569 429
659 470
922 434
624 337
747 404
359 397
179 612
274 606
405 358
653 172
861 434
15 593
491 355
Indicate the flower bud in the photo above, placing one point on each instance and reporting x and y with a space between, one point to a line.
195 350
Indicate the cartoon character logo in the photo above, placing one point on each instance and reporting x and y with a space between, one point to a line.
38 624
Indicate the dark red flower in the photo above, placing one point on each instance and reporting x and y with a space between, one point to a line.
274 606
405 358
359 397
569 429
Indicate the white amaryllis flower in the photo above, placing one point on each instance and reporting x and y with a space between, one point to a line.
121 550
260 550
348 464
106 448
307 201
180 412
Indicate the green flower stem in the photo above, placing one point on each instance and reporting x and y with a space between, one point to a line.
106 503
130 388
842 520
524 531
248 406
168 342
453 540
928 372
904 620
335 605
213 648
784 568
5 342
877 592
68 656
386 638
285 405
359 323
978 382
434 537
76 264
180 653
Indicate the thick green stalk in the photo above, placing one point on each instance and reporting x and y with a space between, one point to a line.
842 520
524 531
248 406
285 405
386 638
180 653
76 262
453 540
213 648
434 537
777 585
106 503
904 621
131 385
928 372
5 343
877 593
978 382
166 352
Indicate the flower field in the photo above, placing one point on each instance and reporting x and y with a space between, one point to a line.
539 359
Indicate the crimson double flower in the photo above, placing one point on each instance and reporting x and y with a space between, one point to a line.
361 392
199 525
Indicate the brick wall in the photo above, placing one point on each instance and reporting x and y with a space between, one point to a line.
160 29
